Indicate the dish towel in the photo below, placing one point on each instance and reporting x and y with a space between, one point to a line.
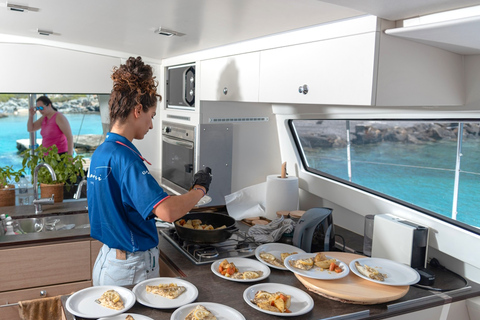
41 309
273 231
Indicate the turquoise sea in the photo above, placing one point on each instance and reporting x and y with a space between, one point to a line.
13 128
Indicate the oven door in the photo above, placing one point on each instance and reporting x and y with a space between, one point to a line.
177 163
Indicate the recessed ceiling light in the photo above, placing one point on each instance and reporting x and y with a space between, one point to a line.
44 32
20 8
168 33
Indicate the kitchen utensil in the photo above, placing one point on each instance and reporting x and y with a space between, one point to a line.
315 231
207 236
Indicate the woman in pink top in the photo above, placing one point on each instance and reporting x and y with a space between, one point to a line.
55 129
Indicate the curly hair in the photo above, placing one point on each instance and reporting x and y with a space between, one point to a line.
133 84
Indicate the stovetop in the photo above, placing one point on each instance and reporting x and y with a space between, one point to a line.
238 245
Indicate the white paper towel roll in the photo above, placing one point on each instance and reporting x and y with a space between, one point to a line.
281 194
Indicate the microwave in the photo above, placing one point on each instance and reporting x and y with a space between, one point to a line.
180 87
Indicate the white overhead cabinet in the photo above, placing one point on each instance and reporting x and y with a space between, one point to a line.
233 78
333 71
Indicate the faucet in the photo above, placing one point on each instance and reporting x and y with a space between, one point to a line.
37 202
79 190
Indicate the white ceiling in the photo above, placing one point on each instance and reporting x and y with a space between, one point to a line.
128 25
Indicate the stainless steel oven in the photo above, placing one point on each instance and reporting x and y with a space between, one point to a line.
178 156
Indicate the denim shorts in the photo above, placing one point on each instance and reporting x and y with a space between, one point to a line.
138 266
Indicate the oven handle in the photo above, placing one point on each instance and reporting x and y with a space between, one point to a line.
182 143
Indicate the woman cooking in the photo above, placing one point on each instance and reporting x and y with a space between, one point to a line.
123 198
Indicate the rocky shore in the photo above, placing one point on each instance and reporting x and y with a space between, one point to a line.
88 104
333 134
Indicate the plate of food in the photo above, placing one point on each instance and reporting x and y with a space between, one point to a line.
316 266
278 299
384 271
101 301
127 316
273 254
206 311
165 293
240 269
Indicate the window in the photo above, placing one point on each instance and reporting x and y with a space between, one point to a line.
82 112
421 164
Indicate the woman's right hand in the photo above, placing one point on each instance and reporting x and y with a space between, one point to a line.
32 111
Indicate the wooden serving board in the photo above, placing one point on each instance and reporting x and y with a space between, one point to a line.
352 288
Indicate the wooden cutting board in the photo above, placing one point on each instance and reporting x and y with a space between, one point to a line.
352 288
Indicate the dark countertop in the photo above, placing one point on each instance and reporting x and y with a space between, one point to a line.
213 289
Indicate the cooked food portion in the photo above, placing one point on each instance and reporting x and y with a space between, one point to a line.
129 317
270 258
111 299
324 263
200 313
285 255
228 269
275 302
170 291
304 264
247 275
197 225
370 272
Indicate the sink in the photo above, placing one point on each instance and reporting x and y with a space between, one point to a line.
54 223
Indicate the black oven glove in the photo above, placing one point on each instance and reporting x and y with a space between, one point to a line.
203 178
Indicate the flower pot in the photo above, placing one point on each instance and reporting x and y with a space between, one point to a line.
46 191
7 196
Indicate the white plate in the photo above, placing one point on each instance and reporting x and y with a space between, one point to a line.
276 249
315 272
220 311
397 274
243 264
302 302
124 315
82 303
156 301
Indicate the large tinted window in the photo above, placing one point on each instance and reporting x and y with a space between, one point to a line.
421 164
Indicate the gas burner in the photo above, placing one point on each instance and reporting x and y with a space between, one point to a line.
238 245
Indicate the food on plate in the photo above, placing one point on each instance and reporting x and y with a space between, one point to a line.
275 302
228 269
170 291
370 272
304 264
111 299
129 317
247 275
197 225
325 263
200 313
270 258
285 255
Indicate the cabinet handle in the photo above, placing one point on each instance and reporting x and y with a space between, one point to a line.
303 89
225 91
43 293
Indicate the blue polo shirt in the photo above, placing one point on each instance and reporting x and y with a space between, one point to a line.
121 196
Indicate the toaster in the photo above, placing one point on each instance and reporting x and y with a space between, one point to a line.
314 231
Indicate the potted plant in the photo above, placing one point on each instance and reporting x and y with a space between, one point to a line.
66 168
7 190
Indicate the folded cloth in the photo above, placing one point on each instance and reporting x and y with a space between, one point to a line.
42 309
273 231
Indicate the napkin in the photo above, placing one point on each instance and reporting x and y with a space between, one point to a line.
273 231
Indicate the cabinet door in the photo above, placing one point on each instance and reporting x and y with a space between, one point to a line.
12 297
232 78
36 266
334 71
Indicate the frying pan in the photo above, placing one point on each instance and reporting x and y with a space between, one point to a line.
207 236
